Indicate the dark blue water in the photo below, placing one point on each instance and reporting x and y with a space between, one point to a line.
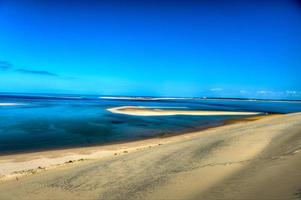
40 122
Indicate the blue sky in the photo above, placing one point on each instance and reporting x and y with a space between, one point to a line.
163 48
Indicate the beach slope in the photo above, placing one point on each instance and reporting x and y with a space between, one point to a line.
249 160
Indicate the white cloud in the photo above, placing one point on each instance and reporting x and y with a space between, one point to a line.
279 94
291 92
264 92
216 89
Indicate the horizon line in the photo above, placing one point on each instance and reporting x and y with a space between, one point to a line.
144 96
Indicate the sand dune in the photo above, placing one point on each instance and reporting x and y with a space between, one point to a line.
249 160
150 111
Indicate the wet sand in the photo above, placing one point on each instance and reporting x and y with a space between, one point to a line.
151 111
249 160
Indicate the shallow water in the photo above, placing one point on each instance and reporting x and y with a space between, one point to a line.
40 122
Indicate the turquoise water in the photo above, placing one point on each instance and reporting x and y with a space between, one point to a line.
40 122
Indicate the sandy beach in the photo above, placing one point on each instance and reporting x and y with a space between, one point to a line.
151 111
247 160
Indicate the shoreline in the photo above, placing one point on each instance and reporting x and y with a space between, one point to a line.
175 133
17 165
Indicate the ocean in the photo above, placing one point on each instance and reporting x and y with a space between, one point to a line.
36 122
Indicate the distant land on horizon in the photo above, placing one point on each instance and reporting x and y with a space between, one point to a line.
128 97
